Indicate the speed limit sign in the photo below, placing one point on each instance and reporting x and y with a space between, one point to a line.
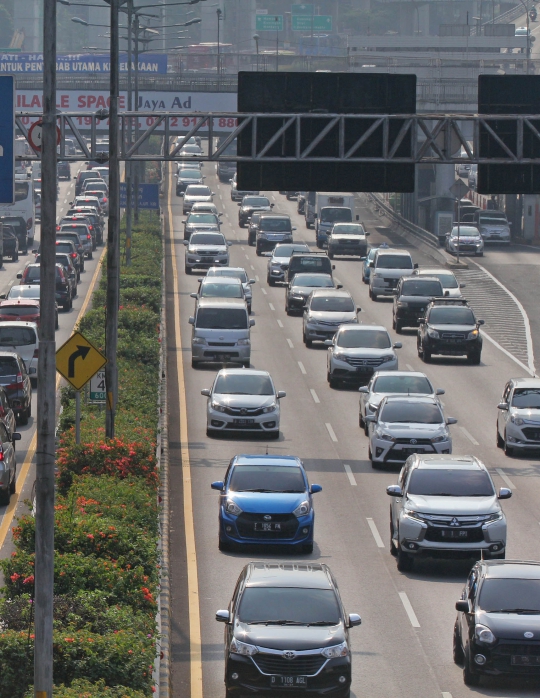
35 133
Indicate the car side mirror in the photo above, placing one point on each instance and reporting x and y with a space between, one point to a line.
34 251
184 221
185 242
205 392
371 418
367 234
293 229
315 488
502 406
372 265
338 286
193 295
3 295
223 616
75 177
239 203
19 275
415 266
397 345
32 372
280 394
358 309
252 323
504 493
481 322
251 281
229 243
462 605
354 619
15 436
191 320
394 491
422 321
272 205
447 293
451 420
363 389
218 485
329 342
462 285
333 267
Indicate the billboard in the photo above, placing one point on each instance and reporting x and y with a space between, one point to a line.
25 63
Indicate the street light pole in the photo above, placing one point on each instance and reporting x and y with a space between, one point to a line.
277 44
218 13
46 409
256 37
129 211
136 30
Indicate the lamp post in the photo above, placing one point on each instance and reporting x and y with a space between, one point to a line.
277 42
528 37
256 38
218 13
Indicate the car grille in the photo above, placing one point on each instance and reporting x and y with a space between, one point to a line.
354 361
501 657
531 433
245 525
225 353
505 648
456 336
242 411
414 442
299 666
392 282
221 344
326 323
242 427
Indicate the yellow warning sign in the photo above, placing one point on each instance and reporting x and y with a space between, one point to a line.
78 360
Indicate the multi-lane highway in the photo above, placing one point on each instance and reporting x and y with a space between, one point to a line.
404 645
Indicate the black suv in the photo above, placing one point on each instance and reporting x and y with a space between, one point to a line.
411 300
301 285
312 262
249 204
498 622
273 228
253 224
64 169
16 382
450 328
18 225
286 629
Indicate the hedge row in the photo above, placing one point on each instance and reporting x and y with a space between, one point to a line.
106 524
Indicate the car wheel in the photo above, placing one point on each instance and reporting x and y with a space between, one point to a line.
500 440
270 281
366 428
187 270
194 364
307 341
22 419
474 358
224 547
457 649
5 496
479 254
90 255
426 356
211 433
405 562
361 422
393 550
319 244
249 309
56 324
287 309
308 225
258 251
13 484
508 450
246 364
330 254
334 382
374 465
470 677
307 548
241 225
274 434
15 257
398 327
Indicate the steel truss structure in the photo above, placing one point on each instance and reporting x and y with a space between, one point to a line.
383 138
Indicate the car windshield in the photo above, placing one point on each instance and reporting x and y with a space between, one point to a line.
493 219
348 229
17 223
210 290
510 595
64 248
207 239
203 218
255 201
447 280
24 292
19 310
332 304
17 336
275 224
296 605
230 272
526 398
313 281
451 316
394 261
8 366
194 190
366 339
450 483
268 478
222 319
421 287
335 215
287 250
465 231
402 384
239 384
411 413
190 174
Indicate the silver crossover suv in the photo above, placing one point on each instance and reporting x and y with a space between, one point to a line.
518 420
327 309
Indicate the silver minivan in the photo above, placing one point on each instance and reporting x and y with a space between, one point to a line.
221 332
388 266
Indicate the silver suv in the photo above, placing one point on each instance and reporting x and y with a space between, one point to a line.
206 250
518 419
446 505
327 309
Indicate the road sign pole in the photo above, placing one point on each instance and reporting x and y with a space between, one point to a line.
46 405
77 417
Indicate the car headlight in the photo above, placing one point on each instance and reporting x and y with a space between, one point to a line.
473 334
402 304
380 434
497 516
237 647
377 275
340 355
198 340
341 650
270 408
412 514
518 421
433 334
302 509
370 407
297 296
232 508
217 407
438 439
243 342
483 634
387 358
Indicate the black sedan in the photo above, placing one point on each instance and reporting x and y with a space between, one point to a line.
299 288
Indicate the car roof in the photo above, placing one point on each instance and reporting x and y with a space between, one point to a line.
447 462
300 274
13 302
393 251
432 270
247 459
242 372
526 382
225 268
239 303
414 399
18 323
516 569
275 215
425 277
401 373
335 292
11 354
305 575
221 280
363 328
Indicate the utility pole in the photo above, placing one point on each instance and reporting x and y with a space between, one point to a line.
136 30
129 131
277 44
218 13
113 233
46 410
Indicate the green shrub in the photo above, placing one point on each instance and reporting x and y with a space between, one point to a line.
80 688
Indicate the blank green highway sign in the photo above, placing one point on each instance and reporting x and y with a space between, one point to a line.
304 9
302 23
269 23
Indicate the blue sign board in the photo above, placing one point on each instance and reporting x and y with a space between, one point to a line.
152 63
148 196
7 139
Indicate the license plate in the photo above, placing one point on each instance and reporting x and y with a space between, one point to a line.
525 660
411 451
266 526
288 681
221 357
242 422
364 369
454 533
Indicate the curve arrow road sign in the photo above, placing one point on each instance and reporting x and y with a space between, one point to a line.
78 360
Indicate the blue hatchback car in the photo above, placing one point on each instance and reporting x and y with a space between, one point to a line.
266 499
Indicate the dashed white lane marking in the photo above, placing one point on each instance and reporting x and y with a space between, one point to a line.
445 694
409 609
350 474
375 532
247 256
65 201
221 196
314 396
253 268
289 342
469 436
256 278
302 368
271 306
280 323
331 431
505 478
242 248
263 290
409 367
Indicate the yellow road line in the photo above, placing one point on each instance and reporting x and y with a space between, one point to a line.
5 526
195 653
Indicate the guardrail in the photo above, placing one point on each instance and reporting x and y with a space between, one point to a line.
430 238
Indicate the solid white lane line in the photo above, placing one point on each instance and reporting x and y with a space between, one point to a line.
291 345
505 478
350 474
469 436
302 368
375 532
271 306
263 290
331 432
314 396
409 367
409 609
280 323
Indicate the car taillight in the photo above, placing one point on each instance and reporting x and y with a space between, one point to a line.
36 353
91 227
1 453
104 199
29 223
88 237
74 255
57 227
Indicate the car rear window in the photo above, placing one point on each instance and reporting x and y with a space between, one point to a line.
8 366
450 483
335 215
277 225
314 264
24 292
451 316
287 250
203 218
190 174
17 336
229 272
394 261
19 311
222 319
32 274
294 604
210 290
313 281
207 239
255 201
421 287
194 190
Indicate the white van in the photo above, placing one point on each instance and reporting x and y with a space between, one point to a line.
22 338
386 269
